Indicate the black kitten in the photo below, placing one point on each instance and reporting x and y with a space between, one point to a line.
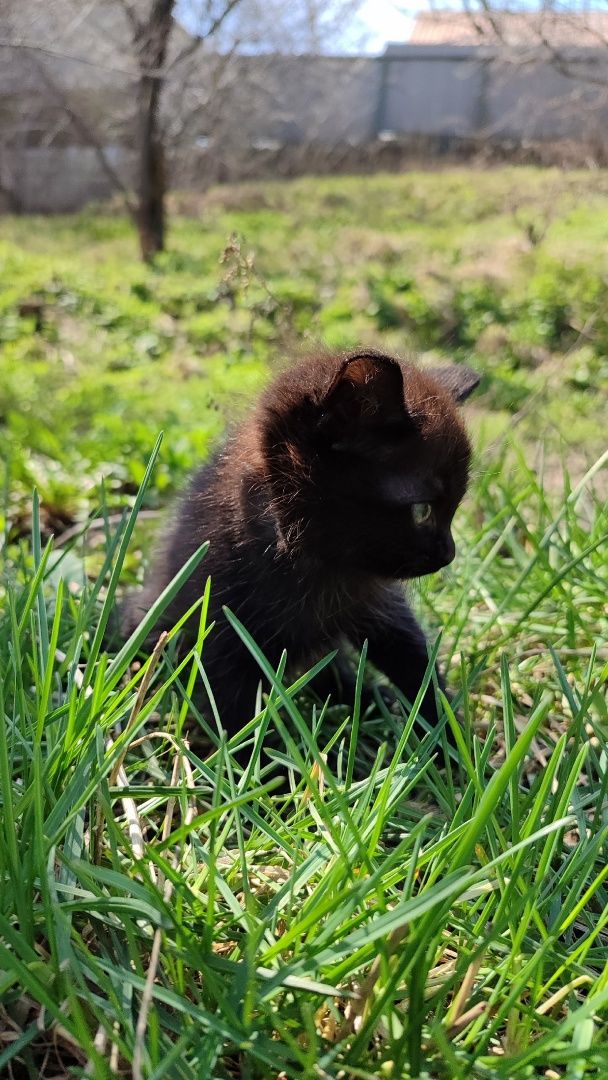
343 482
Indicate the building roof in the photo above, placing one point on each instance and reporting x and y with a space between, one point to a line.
512 28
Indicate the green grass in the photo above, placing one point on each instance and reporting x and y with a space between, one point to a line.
164 914
437 263
164 911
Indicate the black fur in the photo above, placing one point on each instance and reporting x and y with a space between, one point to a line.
308 509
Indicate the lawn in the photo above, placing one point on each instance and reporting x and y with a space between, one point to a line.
164 912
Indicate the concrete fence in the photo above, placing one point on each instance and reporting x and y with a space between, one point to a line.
309 111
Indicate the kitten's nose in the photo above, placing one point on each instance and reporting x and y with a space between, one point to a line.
448 550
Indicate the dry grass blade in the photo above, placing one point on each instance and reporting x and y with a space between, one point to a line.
139 700
560 994
467 1017
457 1007
181 762
130 808
356 1008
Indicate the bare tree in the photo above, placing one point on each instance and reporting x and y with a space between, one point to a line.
151 36
132 46
150 40
151 28
126 78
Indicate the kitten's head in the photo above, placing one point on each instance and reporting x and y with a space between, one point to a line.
368 459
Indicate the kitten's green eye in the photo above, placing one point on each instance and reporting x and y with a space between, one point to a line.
422 513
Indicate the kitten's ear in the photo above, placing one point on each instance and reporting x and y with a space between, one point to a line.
367 387
458 380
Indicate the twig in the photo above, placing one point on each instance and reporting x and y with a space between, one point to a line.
86 133
198 39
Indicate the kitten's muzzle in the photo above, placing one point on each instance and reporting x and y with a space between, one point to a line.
448 550
442 555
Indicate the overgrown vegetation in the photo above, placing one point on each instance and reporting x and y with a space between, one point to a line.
98 351
164 911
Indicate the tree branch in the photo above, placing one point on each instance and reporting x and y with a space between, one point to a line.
57 54
543 47
198 39
130 12
86 133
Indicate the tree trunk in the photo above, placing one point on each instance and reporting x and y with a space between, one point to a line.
151 184
151 178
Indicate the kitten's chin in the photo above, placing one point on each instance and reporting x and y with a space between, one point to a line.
413 575
430 566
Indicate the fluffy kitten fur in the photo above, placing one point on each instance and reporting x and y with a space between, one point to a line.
308 508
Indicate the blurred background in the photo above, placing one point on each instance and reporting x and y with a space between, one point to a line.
191 191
